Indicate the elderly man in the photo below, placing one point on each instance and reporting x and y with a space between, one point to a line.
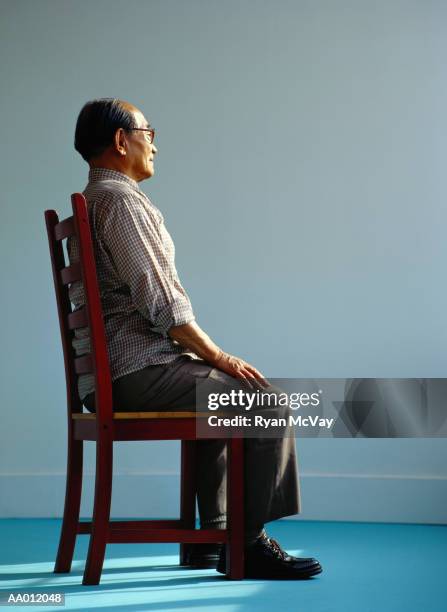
157 350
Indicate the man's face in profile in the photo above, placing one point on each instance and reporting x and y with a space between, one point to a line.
140 150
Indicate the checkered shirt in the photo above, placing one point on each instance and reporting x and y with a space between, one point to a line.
141 294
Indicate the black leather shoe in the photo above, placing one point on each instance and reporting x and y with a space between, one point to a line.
203 556
267 560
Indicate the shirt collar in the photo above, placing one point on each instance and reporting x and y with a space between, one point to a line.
106 174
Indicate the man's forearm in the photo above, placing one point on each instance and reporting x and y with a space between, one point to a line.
192 337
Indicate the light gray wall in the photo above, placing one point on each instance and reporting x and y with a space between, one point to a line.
301 174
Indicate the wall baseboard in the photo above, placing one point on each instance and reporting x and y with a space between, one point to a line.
325 497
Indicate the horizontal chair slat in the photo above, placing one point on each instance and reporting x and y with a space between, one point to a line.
86 526
139 429
71 274
83 365
77 319
139 536
64 229
83 416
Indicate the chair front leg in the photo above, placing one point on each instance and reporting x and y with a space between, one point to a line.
101 512
73 490
188 487
235 509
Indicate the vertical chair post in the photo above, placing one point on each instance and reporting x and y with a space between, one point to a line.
72 505
188 489
101 511
103 394
235 509
56 233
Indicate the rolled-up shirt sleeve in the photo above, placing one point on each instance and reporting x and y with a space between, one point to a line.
143 254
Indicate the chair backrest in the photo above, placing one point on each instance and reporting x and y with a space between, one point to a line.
90 315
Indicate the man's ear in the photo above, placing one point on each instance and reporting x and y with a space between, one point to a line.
120 142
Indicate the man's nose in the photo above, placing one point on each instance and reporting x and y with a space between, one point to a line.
154 149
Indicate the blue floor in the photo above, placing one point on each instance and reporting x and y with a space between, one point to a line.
366 567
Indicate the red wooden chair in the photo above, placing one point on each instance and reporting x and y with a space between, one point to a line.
106 426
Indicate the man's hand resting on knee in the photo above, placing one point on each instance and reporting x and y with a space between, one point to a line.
192 337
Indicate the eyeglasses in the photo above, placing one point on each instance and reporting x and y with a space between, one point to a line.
150 133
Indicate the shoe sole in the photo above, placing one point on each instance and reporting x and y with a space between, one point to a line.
289 576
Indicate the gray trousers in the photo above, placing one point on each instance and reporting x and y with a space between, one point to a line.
271 478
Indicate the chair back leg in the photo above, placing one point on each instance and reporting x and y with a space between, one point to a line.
101 512
72 505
